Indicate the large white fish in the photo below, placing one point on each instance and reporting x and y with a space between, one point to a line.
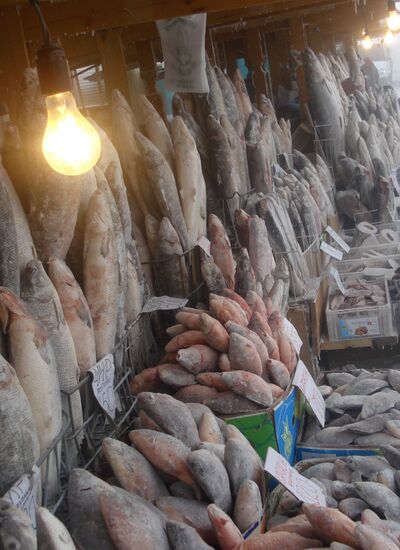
32 360
157 131
164 186
100 272
44 304
76 313
19 443
190 180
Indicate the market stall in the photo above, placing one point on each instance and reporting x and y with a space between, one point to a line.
175 256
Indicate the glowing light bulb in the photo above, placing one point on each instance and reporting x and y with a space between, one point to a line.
393 21
70 145
366 41
388 38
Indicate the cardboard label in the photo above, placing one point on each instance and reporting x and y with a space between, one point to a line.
363 326
183 46
337 238
23 494
328 249
335 274
302 488
293 335
103 384
205 245
304 381
155 303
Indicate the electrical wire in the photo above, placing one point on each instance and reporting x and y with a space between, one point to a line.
43 24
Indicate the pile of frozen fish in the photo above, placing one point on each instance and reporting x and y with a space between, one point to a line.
361 409
70 283
358 293
178 484
361 131
363 505
232 357
240 145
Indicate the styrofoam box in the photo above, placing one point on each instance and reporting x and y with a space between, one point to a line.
362 322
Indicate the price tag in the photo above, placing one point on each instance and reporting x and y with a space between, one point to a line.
328 249
302 488
293 335
335 274
304 381
337 238
205 245
155 303
184 52
23 494
103 384
395 181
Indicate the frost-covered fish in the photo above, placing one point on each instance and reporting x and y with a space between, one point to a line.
190 180
19 443
163 183
101 273
172 273
157 131
76 313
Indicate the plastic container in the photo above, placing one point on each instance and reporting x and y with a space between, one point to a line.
363 322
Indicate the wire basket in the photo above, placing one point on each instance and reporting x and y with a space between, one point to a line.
136 350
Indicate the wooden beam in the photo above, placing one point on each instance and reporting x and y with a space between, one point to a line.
298 42
13 57
255 56
113 61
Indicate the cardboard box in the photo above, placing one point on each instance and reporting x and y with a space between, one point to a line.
277 427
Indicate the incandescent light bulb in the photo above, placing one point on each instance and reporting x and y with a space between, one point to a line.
388 38
70 145
393 20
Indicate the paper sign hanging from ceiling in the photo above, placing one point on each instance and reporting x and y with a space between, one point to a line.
183 46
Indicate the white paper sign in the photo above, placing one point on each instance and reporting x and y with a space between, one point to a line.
183 46
335 274
204 244
304 381
293 335
23 494
103 383
337 238
395 181
328 249
155 303
305 490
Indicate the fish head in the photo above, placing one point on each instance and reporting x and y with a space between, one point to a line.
314 68
35 282
11 307
63 280
215 228
178 105
98 214
16 531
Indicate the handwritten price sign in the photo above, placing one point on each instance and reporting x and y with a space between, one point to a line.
304 381
305 490
23 494
103 384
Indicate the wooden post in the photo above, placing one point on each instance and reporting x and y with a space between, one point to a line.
148 72
255 56
113 61
298 42
13 57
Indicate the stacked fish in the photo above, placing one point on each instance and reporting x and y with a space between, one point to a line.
167 192
17 530
55 329
361 410
363 506
239 146
179 480
361 131
234 356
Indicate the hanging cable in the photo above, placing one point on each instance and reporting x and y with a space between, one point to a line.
43 24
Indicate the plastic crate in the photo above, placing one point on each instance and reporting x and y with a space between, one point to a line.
362 322
357 266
